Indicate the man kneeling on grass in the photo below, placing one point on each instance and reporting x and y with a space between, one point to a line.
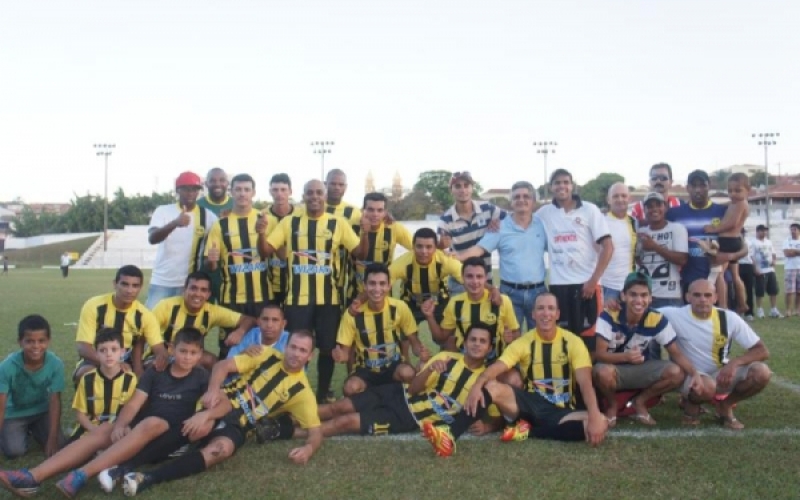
553 361
623 350
435 396
153 424
269 385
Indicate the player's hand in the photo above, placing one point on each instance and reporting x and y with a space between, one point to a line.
161 361
366 225
647 242
254 350
119 432
495 296
493 226
440 365
234 338
194 424
725 376
611 304
388 220
635 356
510 336
696 384
475 400
213 252
184 218
261 223
596 428
212 398
424 355
709 229
340 355
301 455
428 307
589 289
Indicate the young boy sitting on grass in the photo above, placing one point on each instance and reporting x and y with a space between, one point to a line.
31 381
147 429
103 392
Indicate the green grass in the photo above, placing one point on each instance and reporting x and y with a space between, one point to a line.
760 462
47 255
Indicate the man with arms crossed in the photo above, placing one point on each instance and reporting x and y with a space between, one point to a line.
705 334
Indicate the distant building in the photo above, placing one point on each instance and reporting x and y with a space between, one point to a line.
395 192
491 194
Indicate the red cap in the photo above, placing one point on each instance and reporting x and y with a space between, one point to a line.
188 179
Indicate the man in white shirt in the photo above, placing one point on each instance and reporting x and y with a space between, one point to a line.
764 258
791 270
579 246
705 334
179 230
622 228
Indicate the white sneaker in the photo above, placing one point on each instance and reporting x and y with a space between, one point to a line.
775 314
760 313
749 317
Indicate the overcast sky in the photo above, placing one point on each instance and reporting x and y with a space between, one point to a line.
402 86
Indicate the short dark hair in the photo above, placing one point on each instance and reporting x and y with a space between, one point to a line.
302 333
108 335
32 323
376 268
741 178
374 196
129 270
197 276
795 224
659 166
473 261
559 172
243 178
188 335
281 179
425 232
269 305
478 325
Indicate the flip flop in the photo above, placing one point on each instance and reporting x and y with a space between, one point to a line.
690 420
612 422
644 419
731 423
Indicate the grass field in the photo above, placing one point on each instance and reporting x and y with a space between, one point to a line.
634 462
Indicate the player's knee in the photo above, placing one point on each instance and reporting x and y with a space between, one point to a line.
153 426
605 377
404 373
674 374
760 374
512 378
353 386
15 448
498 391
217 450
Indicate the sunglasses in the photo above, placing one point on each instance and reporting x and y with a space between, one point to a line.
659 178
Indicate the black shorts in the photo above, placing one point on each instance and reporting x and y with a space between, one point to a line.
373 378
578 315
438 311
249 309
323 320
278 298
767 282
730 244
226 428
383 410
545 417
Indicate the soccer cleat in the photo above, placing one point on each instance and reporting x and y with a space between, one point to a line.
267 429
72 483
760 313
516 432
135 482
110 478
440 437
19 482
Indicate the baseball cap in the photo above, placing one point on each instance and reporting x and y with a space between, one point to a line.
637 278
697 174
762 227
652 195
461 176
188 179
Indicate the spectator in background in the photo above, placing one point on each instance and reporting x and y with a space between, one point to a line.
791 270
65 260
661 183
747 275
764 258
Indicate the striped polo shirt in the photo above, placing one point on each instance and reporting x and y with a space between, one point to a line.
466 233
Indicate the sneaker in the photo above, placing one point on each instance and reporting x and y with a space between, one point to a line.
444 444
749 317
516 432
110 478
19 482
135 482
775 314
179 452
267 429
760 313
72 483
330 397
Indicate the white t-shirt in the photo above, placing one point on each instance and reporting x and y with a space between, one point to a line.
572 241
666 277
762 251
791 262
701 341
748 257
623 234
175 253
65 260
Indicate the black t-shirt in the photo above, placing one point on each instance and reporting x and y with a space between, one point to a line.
169 397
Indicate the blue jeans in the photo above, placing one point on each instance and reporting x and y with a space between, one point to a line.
523 301
157 293
454 287
610 293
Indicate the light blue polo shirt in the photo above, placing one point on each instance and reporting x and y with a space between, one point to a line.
521 251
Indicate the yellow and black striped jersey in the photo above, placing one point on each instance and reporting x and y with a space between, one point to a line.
423 282
136 321
461 312
100 398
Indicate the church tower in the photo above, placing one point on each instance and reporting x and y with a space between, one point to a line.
397 187
369 185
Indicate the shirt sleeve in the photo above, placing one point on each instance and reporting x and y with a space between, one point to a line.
516 352
397 270
407 323
509 317
452 268
146 382
347 330
246 363
277 238
224 317
681 238
449 316
667 334
159 218
211 219
599 225
441 227
740 331
578 354
57 383
604 328
404 238
5 377
79 401
151 330
489 241
304 409
87 324
349 239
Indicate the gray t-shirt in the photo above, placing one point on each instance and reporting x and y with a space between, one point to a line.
666 276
